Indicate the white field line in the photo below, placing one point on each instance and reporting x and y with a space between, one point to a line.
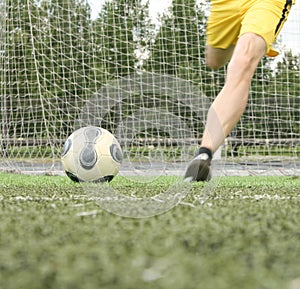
45 199
258 197
236 195
207 201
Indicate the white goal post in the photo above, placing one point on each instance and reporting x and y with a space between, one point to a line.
140 73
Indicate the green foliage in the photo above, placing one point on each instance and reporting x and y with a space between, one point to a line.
273 109
45 68
177 47
287 97
116 29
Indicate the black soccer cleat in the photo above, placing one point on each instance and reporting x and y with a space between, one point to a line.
198 169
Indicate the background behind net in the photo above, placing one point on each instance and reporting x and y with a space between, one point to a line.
139 72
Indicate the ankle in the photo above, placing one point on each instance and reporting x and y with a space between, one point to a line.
204 150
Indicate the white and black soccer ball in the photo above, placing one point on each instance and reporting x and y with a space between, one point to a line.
91 154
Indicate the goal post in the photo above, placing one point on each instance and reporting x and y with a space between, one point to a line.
139 72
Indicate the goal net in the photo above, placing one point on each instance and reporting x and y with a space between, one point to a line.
137 69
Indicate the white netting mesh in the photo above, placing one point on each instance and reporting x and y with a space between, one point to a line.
139 72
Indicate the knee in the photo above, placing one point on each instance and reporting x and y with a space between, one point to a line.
248 52
244 64
242 61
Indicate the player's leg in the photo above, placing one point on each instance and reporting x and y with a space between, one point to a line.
230 103
217 57
219 49
256 38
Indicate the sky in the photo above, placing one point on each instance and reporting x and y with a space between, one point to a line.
290 34
96 6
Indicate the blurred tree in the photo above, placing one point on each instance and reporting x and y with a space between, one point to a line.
123 29
178 47
47 64
286 96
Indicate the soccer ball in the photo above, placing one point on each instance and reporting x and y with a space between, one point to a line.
91 154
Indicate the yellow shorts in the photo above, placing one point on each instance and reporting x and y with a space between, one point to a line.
229 19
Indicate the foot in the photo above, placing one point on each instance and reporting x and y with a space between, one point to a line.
198 169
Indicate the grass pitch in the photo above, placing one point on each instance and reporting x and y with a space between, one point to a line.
246 235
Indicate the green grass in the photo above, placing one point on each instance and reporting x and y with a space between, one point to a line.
247 235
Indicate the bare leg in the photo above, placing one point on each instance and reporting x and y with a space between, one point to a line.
230 103
217 57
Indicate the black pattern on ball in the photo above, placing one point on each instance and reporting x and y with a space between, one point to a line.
66 147
116 153
72 177
104 179
92 133
88 157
